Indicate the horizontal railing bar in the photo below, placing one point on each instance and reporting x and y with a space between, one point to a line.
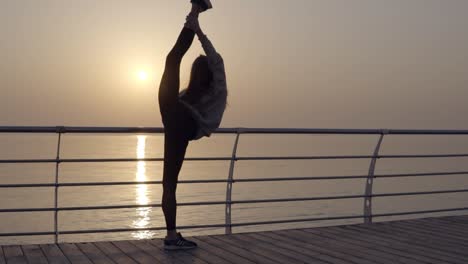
27 234
422 212
300 199
422 156
237 158
306 157
27 210
90 184
110 130
12 161
113 207
418 193
106 160
421 174
298 220
344 197
71 232
345 217
301 178
186 159
349 177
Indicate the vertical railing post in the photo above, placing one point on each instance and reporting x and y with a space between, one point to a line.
229 185
59 130
370 181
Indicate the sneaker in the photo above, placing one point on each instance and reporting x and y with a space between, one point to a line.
179 243
204 4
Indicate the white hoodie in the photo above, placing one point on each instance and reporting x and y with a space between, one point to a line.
209 111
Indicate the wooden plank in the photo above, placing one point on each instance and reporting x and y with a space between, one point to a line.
258 248
301 255
74 254
441 238
452 219
218 248
34 254
256 258
329 244
435 240
2 256
396 240
462 218
114 253
315 256
362 240
369 246
14 255
388 245
213 250
54 254
202 253
264 248
227 239
93 253
134 253
356 249
453 231
293 255
440 242
155 252
188 256
408 245
324 254
444 222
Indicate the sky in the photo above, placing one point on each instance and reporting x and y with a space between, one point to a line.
299 63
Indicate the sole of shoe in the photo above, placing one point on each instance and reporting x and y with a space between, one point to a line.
205 4
208 4
173 248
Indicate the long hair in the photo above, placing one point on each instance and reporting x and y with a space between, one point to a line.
200 77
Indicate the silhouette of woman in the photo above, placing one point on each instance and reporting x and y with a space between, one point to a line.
190 114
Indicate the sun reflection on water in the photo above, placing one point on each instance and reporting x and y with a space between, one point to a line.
143 214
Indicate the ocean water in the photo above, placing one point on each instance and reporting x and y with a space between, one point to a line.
29 146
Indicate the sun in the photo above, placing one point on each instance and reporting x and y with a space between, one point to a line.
142 75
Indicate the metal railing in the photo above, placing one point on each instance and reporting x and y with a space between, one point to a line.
367 215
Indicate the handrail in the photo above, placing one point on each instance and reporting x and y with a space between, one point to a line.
228 225
461 155
132 130
299 199
312 178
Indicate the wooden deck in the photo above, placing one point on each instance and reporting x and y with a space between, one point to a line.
430 240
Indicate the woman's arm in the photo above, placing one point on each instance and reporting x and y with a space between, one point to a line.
215 61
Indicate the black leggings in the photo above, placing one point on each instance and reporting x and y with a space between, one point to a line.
179 126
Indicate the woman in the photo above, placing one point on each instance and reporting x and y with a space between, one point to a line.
189 115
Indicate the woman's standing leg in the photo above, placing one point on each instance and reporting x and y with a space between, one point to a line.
175 146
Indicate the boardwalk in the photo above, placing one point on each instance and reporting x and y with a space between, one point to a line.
430 240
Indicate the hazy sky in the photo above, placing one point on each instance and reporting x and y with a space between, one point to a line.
315 63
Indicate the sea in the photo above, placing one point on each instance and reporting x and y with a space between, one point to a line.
141 146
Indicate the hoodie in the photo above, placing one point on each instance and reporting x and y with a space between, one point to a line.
208 111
